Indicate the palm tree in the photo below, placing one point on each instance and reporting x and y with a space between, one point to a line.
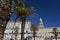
34 28
23 12
55 31
4 18
5 14
16 32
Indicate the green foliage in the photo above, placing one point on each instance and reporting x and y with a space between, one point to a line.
33 27
16 30
55 31
19 3
32 8
22 9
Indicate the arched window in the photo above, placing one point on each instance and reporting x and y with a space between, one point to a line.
26 31
11 39
29 38
51 36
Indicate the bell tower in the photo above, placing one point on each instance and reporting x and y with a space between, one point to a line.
41 25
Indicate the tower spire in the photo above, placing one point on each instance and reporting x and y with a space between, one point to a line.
41 23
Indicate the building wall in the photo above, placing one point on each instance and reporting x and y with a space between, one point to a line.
10 28
42 33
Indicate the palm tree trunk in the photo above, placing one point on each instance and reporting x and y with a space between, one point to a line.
15 37
1 35
56 38
4 29
3 32
5 25
34 34
6 19
22 27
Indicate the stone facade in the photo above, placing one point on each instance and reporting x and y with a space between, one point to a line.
41 34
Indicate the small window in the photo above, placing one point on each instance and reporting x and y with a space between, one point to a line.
42 36
39 33
59 32
11 39
26 31
51 36
12 31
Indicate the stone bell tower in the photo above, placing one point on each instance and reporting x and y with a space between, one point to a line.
41 25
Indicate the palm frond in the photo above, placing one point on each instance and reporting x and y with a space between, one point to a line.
26 4
32 8
33 15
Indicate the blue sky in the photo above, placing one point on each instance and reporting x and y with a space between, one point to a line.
48 10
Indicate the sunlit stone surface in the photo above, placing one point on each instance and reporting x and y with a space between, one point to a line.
41 34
